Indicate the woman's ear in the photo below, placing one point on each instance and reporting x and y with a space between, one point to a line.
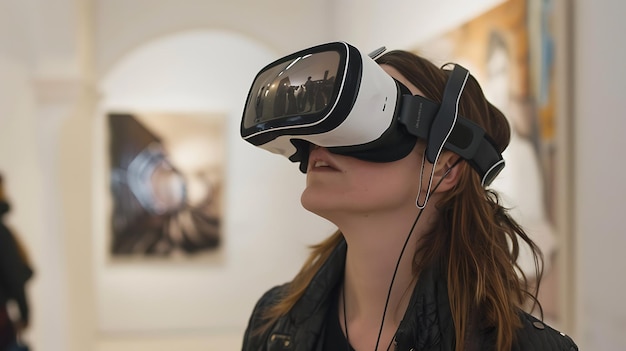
449 168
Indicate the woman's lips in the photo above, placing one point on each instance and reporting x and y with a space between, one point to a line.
319 160
322 166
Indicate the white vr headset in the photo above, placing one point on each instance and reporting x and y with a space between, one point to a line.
334 96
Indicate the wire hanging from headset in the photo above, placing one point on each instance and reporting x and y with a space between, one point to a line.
430 182
462 73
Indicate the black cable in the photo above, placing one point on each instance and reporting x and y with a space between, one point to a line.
382 323
395 271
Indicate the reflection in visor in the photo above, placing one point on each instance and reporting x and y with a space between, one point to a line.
300 86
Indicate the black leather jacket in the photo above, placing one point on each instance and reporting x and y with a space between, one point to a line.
427 325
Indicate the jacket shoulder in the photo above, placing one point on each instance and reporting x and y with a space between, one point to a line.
254 339
537 335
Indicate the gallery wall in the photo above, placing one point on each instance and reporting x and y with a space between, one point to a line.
600 189
260 247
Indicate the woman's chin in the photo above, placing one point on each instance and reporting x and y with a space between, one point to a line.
319 204
311 202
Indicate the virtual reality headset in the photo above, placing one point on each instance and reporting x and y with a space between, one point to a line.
337 97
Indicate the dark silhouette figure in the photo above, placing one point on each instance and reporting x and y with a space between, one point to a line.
310 88
292 105
15 271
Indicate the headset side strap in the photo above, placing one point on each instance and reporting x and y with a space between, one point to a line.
447 115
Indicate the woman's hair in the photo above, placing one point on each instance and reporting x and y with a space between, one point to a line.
475 238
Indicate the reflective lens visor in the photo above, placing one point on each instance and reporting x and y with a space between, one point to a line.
330 95
301 86
298 93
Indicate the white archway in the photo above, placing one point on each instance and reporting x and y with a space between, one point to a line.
208 72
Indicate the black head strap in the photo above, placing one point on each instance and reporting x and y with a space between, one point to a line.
447 114
442 127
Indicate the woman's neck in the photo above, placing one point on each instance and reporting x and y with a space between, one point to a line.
370 266
375 244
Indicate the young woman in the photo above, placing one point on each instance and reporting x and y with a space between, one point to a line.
424 257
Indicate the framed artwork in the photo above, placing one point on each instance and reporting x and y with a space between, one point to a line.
166 182
511 51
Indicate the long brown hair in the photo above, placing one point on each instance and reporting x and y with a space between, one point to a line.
479 245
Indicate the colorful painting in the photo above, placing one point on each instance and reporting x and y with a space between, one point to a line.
510 51
166 182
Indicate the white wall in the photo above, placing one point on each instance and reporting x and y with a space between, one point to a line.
282 25
37 60
20 155
600 83
52 161
401 23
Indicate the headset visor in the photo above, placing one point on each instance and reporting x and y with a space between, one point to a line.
300 86
297 90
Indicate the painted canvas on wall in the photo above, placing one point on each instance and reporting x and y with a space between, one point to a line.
510 51
166 181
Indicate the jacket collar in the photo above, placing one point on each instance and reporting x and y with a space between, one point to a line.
427 321
320 289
